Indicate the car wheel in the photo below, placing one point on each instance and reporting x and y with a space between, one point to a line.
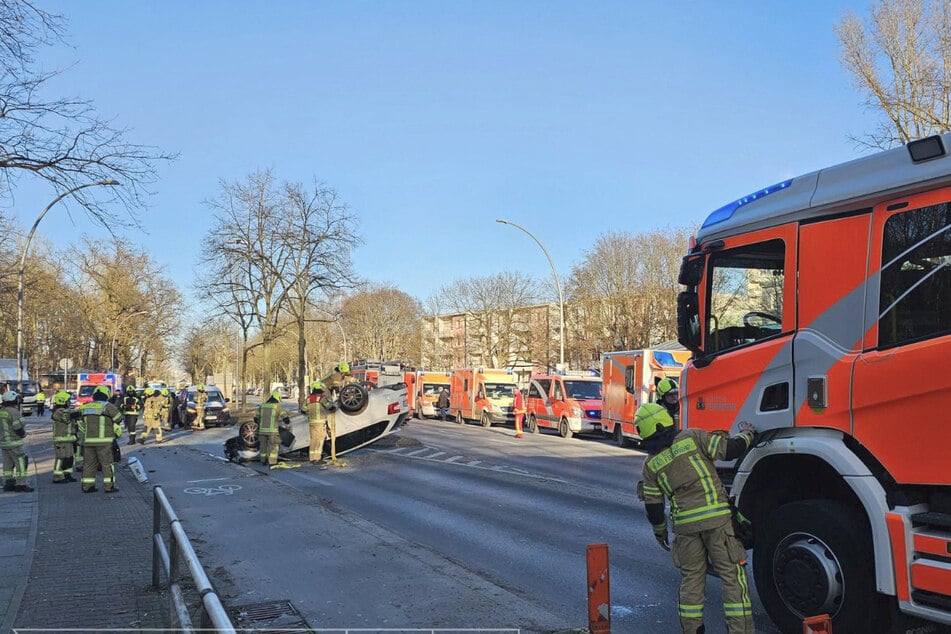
563 429
619 438
815 557
532 424
459 419
353 398
485 420
249 434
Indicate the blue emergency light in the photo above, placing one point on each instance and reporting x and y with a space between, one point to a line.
726 211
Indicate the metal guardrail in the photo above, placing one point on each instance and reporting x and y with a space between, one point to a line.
169 559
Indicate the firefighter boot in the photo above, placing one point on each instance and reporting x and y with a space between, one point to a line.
23 488
9 485
131 439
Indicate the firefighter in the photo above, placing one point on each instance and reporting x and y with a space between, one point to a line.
101 424
12 433
164 407
131 407
317 421
668 395
336 379
150 416
680 466
64 438
518 408
267 417
201 397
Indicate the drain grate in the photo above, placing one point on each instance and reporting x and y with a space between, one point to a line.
276 614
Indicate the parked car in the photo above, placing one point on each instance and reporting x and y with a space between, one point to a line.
217 411
26 392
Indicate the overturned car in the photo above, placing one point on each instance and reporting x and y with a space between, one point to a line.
362 414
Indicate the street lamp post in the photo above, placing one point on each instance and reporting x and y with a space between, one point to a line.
112 355
26 247
561 297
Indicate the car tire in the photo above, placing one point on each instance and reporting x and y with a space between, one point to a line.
815 556
459 419
249 434
486 422
533 424
353 398
619 439
563 430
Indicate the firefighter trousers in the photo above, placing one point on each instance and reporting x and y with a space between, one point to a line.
96 456
318 434
14 465
729 559
63 464
268 447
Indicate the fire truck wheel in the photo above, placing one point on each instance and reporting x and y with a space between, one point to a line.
563 428
353 398
532 424
459 419
619 437
485 420
815 557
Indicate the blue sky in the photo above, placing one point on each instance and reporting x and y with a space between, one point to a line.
432 119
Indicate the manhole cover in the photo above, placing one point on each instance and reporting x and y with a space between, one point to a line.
274 613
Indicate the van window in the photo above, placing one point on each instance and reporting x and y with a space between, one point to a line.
539 388
915 292
557 393
583 389
746 295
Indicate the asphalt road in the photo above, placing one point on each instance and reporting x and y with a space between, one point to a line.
439 525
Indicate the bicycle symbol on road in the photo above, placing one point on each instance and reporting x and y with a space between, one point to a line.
223 489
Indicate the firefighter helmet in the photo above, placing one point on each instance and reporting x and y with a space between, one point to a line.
666 386
344 367
651 418
201 387
276 395
317 386
61 398
101 393
149 391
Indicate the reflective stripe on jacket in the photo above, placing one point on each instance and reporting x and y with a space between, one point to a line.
685 473
98 423
10 424
64 430
268 416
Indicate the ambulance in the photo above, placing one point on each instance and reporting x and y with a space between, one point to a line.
427 385
482 394
818 309
570 403
630 379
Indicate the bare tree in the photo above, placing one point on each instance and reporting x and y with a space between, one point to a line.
383 323
900 60
321 235
62 140
623 295
495 321
274 249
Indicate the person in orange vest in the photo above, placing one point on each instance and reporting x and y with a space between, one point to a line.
680 466
518 408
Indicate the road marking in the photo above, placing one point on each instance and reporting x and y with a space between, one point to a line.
473 463
432 456
224 489
453 459
419 451
208 480
476 464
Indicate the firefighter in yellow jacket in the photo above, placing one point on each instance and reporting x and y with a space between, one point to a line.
64 437
269 414
12 433
680 467
317 420
150 416
101 423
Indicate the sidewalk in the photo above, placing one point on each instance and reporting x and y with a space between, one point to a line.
52 537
